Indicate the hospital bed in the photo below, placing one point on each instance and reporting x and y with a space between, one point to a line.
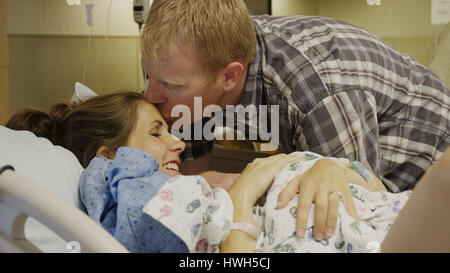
40 209
21 198
39 182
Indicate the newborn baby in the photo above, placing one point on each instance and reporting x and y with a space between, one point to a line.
201 217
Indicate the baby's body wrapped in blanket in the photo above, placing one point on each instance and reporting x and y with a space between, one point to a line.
202 216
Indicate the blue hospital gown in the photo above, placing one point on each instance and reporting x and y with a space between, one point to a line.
114 192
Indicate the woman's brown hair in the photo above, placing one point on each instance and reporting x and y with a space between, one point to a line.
106 120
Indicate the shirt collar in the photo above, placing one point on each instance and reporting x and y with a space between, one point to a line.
253 91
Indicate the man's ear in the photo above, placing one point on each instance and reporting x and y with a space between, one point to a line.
233 73
106 152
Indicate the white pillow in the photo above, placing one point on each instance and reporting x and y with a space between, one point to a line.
51 166
82 93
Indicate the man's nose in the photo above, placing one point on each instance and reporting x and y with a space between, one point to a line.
153 95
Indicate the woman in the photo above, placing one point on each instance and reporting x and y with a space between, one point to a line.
119 181
96 131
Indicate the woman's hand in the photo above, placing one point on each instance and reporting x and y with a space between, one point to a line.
250 185
322 184
258 176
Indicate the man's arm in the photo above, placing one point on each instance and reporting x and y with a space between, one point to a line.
197 157
196 166
202 166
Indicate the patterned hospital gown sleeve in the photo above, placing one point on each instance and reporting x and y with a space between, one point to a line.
199 215
114 193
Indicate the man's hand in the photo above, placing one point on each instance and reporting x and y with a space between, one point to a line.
218 179
323 184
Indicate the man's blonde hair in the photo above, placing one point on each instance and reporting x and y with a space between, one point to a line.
220 31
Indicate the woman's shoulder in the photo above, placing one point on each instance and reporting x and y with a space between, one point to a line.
133 162
94 177
127 159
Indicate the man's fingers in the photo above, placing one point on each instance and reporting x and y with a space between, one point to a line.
304 205
350 205
320 215
333 212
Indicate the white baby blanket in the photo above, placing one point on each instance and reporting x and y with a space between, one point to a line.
201 216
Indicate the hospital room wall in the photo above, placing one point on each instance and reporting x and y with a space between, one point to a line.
404 24
44 69
4 65
48 42
48 47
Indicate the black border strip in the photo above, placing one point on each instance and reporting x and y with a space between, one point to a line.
6 167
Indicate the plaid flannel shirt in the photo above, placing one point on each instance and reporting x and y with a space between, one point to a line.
343 92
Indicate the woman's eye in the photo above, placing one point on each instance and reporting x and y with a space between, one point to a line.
156 134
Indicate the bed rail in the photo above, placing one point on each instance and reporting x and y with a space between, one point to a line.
21 198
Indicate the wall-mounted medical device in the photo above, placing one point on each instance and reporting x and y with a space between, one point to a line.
73 2
373 2
140 10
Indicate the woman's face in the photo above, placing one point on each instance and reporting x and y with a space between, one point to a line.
151 135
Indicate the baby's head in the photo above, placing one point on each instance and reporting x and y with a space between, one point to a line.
100 125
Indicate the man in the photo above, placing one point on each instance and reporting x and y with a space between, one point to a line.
341 91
